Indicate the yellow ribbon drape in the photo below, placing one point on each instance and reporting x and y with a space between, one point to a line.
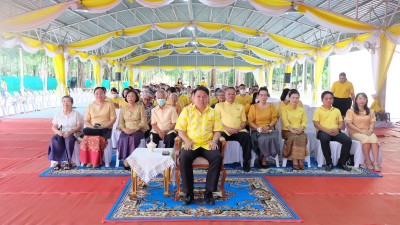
385 58
319 66
270 73
130 76
96 74
59 69
120 53
335 19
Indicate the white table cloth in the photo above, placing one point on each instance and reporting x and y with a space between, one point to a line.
148 165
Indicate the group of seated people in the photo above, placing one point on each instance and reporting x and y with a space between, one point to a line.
248 119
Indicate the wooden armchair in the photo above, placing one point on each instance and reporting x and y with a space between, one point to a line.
200 163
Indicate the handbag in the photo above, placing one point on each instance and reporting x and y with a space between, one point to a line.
79 136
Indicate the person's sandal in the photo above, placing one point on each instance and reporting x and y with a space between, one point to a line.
376 167
369 165
67 166
57 167
89 165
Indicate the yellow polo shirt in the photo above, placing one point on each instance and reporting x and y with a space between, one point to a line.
232 115
328 118
163 117
199 127
204 84
213 101
342 90
245 101
280 105
295 118
184 99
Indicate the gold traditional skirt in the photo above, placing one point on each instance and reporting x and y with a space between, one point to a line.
365 139
295 146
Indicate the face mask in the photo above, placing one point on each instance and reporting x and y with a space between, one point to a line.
287 97
257 100
115 95
212 95
184 92
242 92
161 102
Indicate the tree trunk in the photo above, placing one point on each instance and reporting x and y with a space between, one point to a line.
213 77
81 75
297 75
305 76
106 73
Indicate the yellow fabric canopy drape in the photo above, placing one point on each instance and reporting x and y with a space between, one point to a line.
130 76
59 68
386 54
319 66
270 73
96 74
120 53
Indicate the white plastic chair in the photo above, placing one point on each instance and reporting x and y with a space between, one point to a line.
234 153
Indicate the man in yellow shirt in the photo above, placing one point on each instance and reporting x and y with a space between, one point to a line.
329 122
203 82
163 120
243 98
200 128
220 96
344 94
233 119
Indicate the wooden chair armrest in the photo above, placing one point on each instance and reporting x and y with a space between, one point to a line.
177 145
223 144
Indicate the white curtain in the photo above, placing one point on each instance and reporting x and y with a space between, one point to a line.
34 19
168 30
217 3
92 47
14 41
269 10
154 4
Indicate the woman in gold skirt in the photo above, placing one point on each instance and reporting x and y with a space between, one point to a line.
361 121
294 122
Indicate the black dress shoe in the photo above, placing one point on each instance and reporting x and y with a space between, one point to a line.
208 197
188 199
343 167
246 167
329 167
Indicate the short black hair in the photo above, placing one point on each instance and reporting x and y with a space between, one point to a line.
255 94
171 89
294 91
284 93
242 85
232 88
342 74
263 89
136 95
201 88
326 93
69 97
114 90
102 88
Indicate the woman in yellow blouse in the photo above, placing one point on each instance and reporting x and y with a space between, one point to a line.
361 121
262 119
285 101
174 103
99 119
133 123
294 121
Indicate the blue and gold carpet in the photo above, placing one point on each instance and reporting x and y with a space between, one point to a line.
247 198
231 169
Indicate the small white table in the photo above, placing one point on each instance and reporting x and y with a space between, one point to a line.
147 165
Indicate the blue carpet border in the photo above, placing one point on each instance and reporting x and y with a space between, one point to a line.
44 174
295 219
